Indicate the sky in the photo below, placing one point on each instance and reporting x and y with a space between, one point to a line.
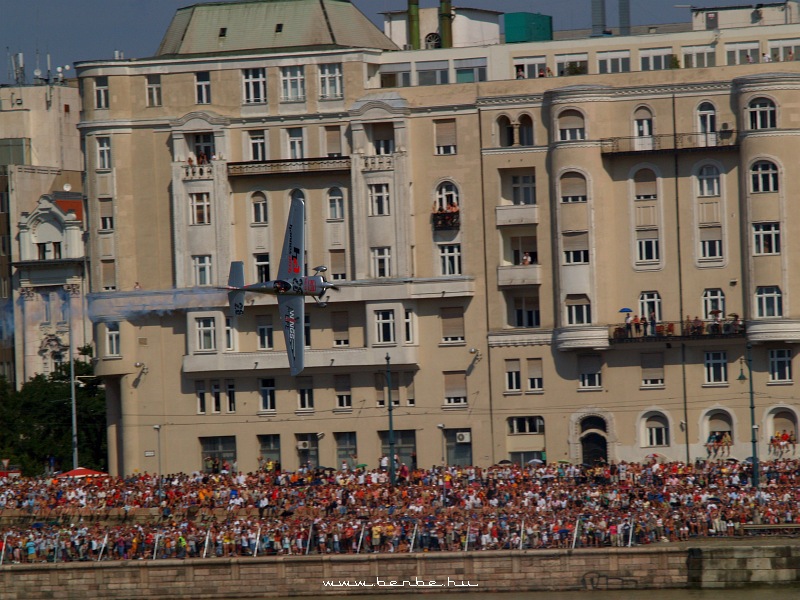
78 30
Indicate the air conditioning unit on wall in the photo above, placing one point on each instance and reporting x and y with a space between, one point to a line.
463 437
303 445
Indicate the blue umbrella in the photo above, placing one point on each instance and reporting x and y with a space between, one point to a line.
625 310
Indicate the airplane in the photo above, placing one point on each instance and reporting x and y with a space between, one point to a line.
291 287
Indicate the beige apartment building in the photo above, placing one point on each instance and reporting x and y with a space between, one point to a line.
490 230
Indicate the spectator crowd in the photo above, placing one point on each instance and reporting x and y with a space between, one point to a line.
451 508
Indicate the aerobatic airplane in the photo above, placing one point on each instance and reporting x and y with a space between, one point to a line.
290 287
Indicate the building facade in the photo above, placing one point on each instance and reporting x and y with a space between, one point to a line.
491 227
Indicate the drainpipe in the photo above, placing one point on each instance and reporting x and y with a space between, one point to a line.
413 24
446 23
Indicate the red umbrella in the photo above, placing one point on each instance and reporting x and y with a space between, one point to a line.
81 472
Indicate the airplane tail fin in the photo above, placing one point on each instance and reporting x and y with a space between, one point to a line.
236 280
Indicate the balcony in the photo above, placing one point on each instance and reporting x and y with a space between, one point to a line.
774 330
291 165
516 214
197 172
678 331
581 337
380 162
519 275
446 220
720 140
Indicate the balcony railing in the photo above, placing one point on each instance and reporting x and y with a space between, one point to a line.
380 162
516 214
446 220
204 171
668 142
675 330
291 165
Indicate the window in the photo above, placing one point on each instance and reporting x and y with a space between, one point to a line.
254 85
335 204
656 430
769 301
453 324
643 128
433 72
112 339
333 141
206 333
341 386
525 312
264 332
258 145
505 132
535 375
293 84
707 124
106 215
572 64
784 50
590 371
216 397
382 138
716 367
652 369
395 75
230 333
408 326
203 144
384 327
519 425
266 391
780 365
742 53
258 202
531 67
202 87
513 376
200 392
262 267
447 197
763 177
101 92
307 331
763 114
699 56
523 189
455 388
200 208
337 266
647 246
708 181
295 146
656 59
445 134
645 186
571 126
710 243
525 130
713 303
153 90
305 393
614 62
378 199
766 238
330 81
579 310
450 259
103 153
202 269
381 261
573 187
650 306
576 247
340 324
470 70
230 392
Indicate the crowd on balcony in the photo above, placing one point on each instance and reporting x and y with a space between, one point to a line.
643 327
357 511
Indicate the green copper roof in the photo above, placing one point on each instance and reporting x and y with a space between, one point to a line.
225 27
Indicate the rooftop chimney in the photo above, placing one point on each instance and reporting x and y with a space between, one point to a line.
413 24
624 17
446 23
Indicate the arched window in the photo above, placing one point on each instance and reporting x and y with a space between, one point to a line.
764 177
769 301
298 194
335 204
447 197
258 202
707 124
708 181
525 130
433 40
650 305
719 423
713 303
505 132
573 187
763 114
656 429
783 420
593 422
571 126
644 182
643 122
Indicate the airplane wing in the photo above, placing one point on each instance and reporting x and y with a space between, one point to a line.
292 310
236 280
293 254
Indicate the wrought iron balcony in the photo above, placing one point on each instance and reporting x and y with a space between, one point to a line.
446 220
291 165
696 329
720 140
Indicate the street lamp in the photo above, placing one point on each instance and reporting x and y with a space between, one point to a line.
392 477
753 426
440 426
158 441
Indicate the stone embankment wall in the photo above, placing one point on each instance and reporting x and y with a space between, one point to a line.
651 567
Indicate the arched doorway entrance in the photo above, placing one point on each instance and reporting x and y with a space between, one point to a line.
594 448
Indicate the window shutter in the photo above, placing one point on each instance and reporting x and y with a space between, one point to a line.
653 365
337 261
535 368
576 241
647 234
642 113
645 183
396 68
708 234
570 119
446 132
409 381
341 383
106 208
453 322
573 184
108 274
512 365
576 300
590 363
455 385
340 325
333 140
